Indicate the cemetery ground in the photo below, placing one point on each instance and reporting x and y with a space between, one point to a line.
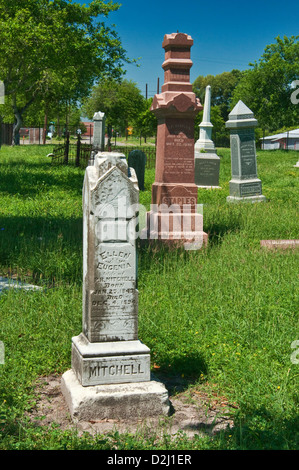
220 322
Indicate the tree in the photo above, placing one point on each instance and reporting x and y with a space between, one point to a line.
146 122
222 87
121 101
266 88
55 51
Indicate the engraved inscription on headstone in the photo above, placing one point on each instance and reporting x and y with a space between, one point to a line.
248 155
113 302
206 160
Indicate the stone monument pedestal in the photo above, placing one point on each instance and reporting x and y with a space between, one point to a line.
244 186
241 191
114 401
110 362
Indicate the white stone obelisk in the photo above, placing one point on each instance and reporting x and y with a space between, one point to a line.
205 128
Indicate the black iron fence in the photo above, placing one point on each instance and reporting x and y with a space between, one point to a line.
150 153
6 131
79 153
53 133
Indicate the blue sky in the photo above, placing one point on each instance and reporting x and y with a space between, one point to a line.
227 34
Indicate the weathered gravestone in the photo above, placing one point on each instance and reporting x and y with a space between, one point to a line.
137 160
206 160
282 244
110 375
244 185
99 131
173 216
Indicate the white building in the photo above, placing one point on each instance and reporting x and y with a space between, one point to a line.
286 140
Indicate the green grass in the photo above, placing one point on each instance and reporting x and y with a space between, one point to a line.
223 318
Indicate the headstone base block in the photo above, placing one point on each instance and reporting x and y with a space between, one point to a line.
114 401
109 362
245 190
176 229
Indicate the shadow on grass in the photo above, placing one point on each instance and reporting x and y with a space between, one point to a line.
179 372
260 429
39 176
40 247
217 231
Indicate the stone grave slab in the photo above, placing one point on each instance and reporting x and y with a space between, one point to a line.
6 283
282 244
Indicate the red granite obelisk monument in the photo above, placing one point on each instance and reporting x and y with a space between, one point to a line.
174 214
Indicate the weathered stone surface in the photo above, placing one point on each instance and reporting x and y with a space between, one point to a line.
112 362
114 401
244 186
99 120
283 244
110 298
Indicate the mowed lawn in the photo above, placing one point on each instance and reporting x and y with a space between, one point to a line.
222 320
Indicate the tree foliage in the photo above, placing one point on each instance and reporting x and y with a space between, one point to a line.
55 50
266 88
146 122
222 87
121 101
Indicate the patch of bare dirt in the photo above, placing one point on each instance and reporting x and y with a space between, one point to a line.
193 412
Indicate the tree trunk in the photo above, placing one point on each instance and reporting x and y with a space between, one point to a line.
18 119
17 126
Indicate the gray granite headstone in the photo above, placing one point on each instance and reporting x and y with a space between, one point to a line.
108 352
206 160
244 186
